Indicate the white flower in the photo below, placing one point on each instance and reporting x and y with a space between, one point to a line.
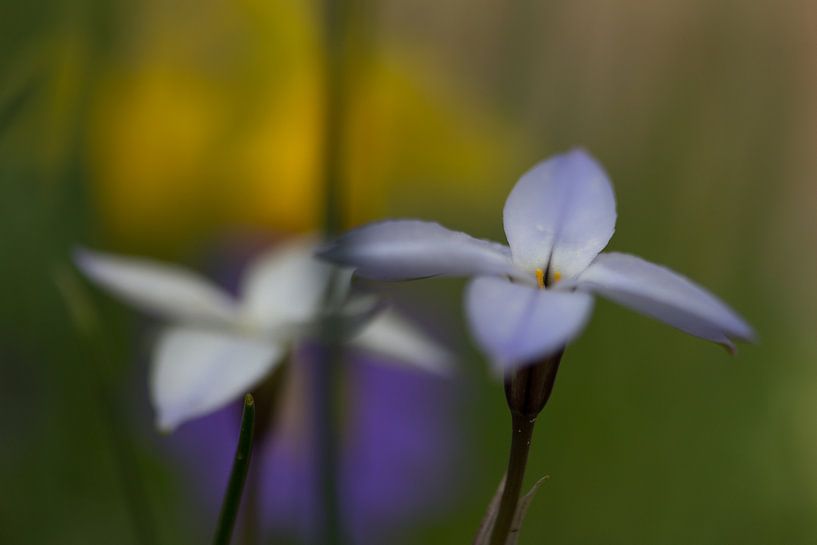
216 348
530 299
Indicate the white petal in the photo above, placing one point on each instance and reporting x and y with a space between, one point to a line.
197 371
395 337
166 290
562 212
409 249
285 285
665 295
518 324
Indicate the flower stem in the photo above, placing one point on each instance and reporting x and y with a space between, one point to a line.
336 15
527 392
238 475
339 22
520 446
267 396
325 390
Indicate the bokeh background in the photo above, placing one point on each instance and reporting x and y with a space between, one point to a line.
185 129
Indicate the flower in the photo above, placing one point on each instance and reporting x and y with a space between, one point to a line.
400 453
217 347
530 299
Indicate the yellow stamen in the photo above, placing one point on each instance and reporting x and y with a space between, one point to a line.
540 278
557 276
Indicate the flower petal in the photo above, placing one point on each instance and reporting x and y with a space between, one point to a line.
518 325
665 295
409 249
393 336
197 371
285 285
561 213
165 290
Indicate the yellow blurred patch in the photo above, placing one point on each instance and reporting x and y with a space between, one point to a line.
180 150
154 139
279 163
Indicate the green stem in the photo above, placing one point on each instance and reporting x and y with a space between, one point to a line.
338 23
325 403
267 396
238 475
337 15
520 446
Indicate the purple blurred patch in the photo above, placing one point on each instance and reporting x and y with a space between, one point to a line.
398 462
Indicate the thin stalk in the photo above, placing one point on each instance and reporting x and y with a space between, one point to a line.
267 396
527 392
238 475
517 462
326 375
338 17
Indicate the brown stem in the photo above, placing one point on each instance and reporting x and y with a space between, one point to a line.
527 391
520 446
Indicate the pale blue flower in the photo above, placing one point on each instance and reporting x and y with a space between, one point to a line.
532 297
217 347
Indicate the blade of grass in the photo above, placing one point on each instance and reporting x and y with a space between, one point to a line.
522 510
238 475
338 17
486 527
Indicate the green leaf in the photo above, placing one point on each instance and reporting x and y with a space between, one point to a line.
238 475
486 527
522 510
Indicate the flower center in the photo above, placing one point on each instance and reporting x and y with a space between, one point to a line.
542 281
540 278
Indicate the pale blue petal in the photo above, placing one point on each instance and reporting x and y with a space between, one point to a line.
400 341
165 290
665 295
197 371
285 285
517 325
562 212
410 249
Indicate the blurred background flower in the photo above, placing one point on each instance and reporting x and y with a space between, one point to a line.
399 456
231 125
165 127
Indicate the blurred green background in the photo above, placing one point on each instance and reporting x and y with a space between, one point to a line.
164 127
